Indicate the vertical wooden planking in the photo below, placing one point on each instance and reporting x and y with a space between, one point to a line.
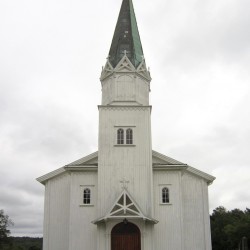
167 232
131 162
57 213
195 215
82 231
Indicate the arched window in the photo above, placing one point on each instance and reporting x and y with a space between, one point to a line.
86 196
120 136
129 136
165 195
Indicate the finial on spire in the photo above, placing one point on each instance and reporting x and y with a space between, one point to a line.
126 37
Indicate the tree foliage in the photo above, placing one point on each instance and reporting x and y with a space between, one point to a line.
5 222
23 243
229 227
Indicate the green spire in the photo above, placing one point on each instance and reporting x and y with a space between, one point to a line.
126 37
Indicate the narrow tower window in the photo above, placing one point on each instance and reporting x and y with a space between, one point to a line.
129 136
165 195
86 196
120 136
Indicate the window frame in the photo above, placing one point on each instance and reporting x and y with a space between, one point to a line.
165 195
91 194
86 196
128 136
161 188
120 136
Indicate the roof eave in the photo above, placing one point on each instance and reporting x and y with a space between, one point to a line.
43 179
106 219
207 177
50 175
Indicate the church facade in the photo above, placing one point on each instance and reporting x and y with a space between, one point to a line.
126 196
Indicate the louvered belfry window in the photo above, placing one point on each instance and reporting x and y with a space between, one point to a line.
120 136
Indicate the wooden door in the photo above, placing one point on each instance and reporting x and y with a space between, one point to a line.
125 236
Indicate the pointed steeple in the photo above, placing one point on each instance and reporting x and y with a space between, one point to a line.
126 39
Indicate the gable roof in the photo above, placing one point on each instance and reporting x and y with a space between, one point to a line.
163 162
87 163
159 161
91 159
124 208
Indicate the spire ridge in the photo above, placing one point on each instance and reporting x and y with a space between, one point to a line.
126 37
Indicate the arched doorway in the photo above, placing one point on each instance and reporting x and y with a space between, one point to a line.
125 236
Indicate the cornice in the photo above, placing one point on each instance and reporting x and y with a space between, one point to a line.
169 167
124 107
66 169
82 168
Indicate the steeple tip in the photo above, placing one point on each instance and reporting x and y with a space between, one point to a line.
126 37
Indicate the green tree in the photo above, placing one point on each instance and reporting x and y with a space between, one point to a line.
229 227
5 222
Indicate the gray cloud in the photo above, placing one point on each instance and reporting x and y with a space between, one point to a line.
51 58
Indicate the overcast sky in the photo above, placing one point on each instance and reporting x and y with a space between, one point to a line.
51 54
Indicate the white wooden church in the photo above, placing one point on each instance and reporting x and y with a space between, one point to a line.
126 196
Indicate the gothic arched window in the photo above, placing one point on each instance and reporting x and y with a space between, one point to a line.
129 136
120 136
165 195
86 196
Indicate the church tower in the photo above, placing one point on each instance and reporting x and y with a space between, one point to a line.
124 153
126 196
